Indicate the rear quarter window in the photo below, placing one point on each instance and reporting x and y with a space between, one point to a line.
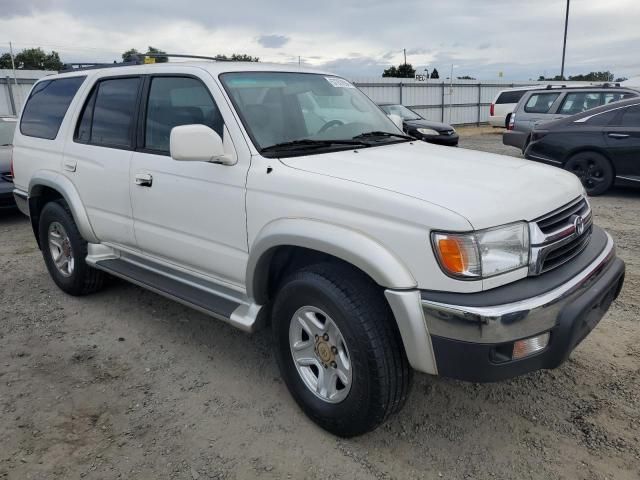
47 105
510 97
540 102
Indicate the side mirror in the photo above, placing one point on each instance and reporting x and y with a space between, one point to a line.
197 143
397 120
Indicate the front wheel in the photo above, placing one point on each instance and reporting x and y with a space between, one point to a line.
594 171
339 350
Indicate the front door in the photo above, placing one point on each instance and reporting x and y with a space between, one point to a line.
191 214
623 139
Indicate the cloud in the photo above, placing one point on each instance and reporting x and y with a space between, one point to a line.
273 41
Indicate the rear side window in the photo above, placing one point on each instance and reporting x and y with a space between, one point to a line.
175 101
602 119
540 102
47 105
578 102
107 118
510 97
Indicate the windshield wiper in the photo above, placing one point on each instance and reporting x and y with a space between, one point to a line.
310 143
377 134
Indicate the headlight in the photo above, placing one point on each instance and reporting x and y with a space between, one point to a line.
428 131
483 253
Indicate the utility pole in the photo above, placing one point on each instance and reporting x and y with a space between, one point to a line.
564 45
404 50
13 65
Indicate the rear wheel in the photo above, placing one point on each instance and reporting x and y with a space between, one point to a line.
64 251
338 349
594 171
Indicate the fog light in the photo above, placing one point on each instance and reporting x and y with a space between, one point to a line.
529 346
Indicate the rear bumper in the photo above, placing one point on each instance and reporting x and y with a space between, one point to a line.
514 138
497 121
469 342
21 200
6 194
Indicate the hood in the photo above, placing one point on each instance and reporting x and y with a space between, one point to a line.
487 189
437 126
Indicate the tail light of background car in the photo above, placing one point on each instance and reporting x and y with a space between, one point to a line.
492 109
512 121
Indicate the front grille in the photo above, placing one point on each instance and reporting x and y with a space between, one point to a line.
556 237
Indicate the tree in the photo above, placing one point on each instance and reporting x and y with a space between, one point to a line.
621 79
405 70
588 77
130 55
237 57
434 73
32 59
155 51
466 77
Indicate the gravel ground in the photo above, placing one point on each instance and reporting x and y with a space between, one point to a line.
126 384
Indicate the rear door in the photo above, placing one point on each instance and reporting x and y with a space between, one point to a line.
98 158
623 139
536 109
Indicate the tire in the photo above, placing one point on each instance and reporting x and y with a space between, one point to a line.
594 171
73 275
366 335
506 121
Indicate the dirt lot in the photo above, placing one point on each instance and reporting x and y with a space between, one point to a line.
126 384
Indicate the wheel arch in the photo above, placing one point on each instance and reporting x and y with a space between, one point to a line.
320 240
589 148
46 186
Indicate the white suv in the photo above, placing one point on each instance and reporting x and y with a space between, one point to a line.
504 104
273 195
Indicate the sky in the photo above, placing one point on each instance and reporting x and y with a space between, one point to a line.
354 38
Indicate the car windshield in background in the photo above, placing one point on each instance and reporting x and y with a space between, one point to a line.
401 111
289 113
7 127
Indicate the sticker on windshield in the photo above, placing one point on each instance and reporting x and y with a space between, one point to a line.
339 82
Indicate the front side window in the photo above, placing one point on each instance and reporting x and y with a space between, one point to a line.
107 118
175 101
631 117
578 102
322 111
540 102
402 111
47 105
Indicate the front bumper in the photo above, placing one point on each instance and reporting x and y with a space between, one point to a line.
447 140
469 338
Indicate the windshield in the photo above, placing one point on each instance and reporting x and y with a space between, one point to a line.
7 128
402 111
306 110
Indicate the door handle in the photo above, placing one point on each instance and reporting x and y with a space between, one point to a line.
144 179
619 135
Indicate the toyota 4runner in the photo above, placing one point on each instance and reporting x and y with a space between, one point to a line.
281 196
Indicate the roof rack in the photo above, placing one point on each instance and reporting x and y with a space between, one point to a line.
139 60
551 87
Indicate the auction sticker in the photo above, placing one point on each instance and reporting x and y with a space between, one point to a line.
339 82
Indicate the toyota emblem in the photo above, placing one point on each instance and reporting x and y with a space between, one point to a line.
578 224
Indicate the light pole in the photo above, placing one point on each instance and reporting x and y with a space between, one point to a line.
564 45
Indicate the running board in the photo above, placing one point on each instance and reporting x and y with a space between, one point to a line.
218 304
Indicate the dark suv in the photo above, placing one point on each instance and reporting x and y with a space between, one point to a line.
556 102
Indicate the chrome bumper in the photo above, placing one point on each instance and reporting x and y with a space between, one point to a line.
512 321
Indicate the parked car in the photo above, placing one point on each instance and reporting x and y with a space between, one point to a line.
271 195
418 127
601 146
7 127
503 104
556 102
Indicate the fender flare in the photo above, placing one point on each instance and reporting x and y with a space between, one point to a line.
64 186
352 246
